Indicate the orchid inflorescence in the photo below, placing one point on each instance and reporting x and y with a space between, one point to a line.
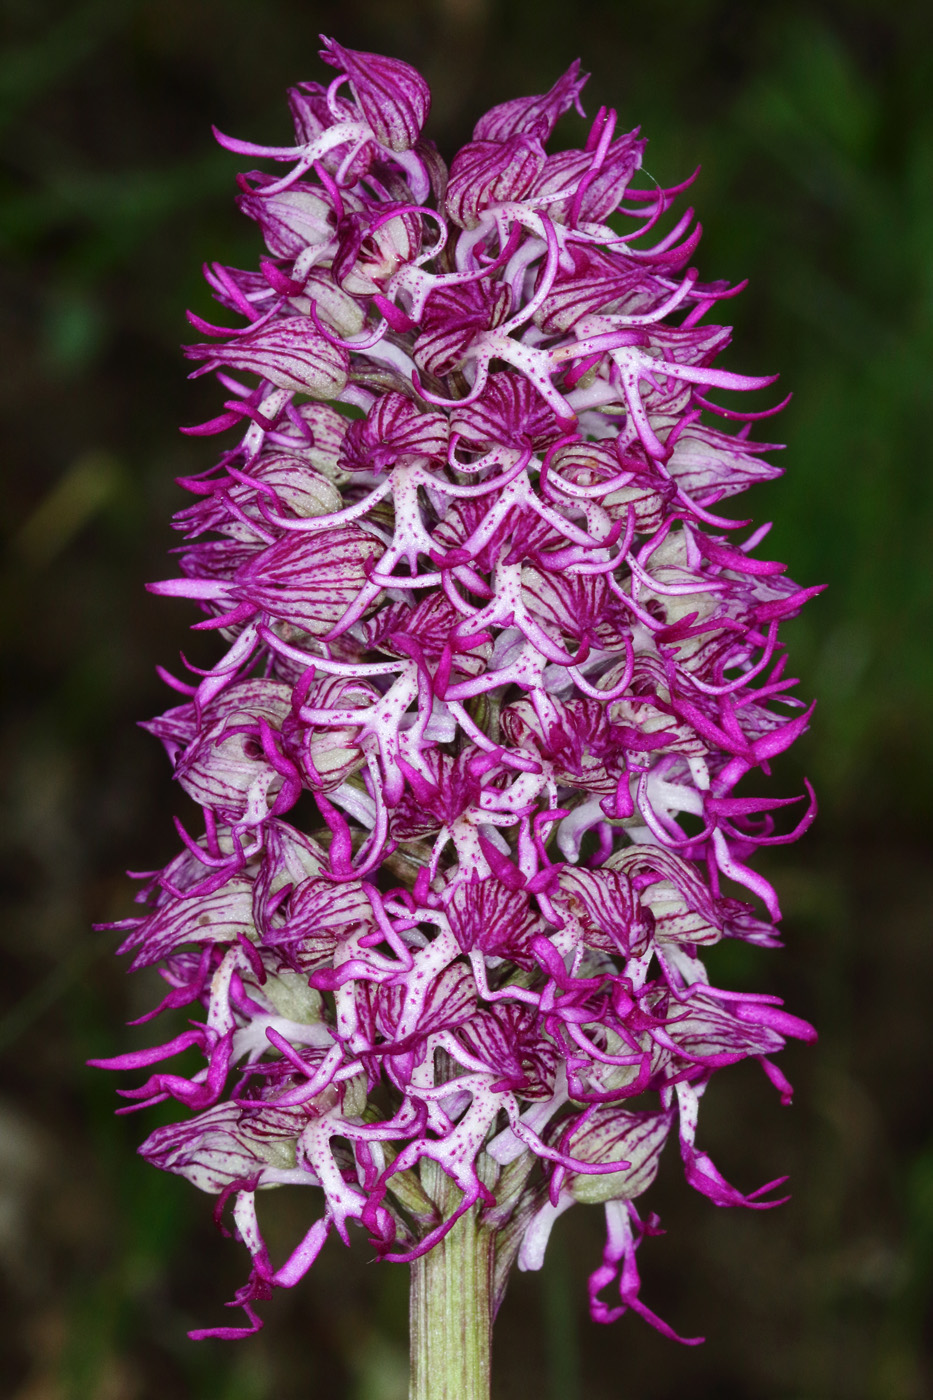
478 602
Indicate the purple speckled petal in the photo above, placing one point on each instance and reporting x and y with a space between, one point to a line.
308 580
394 97
488 173
226 1144
613 1134
292 354
533 116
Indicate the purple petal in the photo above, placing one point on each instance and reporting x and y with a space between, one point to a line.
290 353
225 1144
612 1134
394 97
488 173
309 580
533 116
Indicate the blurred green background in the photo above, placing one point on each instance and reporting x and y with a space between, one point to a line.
814 127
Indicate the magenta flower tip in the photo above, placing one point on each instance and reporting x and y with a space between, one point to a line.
485 627
394 97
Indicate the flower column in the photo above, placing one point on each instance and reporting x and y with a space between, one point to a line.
481 613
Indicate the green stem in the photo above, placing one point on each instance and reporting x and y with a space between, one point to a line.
451 1321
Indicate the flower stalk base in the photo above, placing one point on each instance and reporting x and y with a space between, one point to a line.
451 1315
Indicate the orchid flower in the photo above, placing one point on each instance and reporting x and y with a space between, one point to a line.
493 670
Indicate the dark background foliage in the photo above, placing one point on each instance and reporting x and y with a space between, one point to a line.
815 131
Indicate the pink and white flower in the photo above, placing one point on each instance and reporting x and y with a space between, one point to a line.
480 615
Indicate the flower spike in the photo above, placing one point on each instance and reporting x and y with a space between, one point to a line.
486 629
